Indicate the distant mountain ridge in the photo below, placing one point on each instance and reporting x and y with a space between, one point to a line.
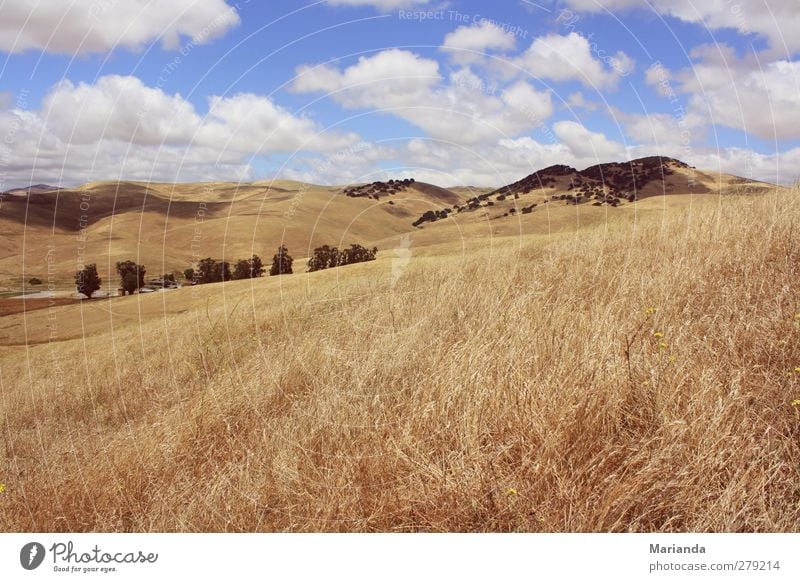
620 178
34 189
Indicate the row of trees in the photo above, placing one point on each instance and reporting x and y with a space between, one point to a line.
209 270
131 278
212 271
327 257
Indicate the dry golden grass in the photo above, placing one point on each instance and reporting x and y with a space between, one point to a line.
635 376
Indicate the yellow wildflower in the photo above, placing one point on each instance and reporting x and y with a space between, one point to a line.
511 491
650 311
662 346
795 402
2 488
658 334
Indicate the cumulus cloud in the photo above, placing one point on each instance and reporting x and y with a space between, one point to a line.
776 20
391 78
757 97
467 44
463 108
121 125
572 57
84 26
583 143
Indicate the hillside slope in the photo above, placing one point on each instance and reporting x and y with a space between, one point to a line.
638 377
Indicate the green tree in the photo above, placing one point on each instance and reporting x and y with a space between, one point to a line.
281 262
206 271
222 271
248 268
325 257
87 281
256 267
357 254
129 283
189 274
131 276
242 269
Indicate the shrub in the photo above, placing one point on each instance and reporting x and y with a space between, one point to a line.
34 281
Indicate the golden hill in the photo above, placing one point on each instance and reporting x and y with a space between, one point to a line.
168 227
632 369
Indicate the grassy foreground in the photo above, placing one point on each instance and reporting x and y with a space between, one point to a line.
638 377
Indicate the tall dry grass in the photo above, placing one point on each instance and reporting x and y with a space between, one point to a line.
638 377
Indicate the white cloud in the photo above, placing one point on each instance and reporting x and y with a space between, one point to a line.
585 144
465 109
391 78
577 100
571 57
119 127
663 129
118 108
467 44
758 98
84 26
776 20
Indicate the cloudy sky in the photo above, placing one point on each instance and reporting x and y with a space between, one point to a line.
458 92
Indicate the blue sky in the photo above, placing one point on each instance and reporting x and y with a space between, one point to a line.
456 92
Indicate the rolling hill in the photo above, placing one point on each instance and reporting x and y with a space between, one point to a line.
49 233
636 374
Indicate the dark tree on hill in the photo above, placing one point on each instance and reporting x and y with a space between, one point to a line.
281 262
325 257
357 254
131 276
188 274
207 271
222 271
129 283
241 270
256 267
248 268
87 281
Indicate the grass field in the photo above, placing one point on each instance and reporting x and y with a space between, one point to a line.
635 374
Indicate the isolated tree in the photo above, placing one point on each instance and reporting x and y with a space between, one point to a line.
281 262
129 283
131 276
87 281
34 281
